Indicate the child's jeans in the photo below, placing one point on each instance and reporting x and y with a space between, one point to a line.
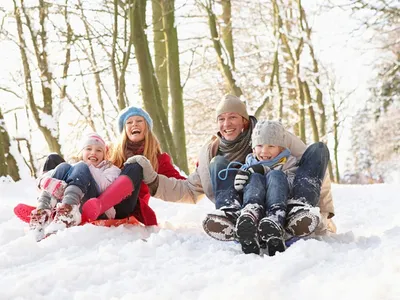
270 190
78 175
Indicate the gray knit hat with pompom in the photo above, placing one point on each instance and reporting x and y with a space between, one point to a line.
270 133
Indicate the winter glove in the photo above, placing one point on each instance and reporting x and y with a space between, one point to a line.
260 169
149 175
241 179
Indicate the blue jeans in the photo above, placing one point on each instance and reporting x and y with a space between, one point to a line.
79 175
270 191
127 206
224 193
310 174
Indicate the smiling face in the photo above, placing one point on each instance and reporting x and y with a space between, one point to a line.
267 152
135 128
93 154
230 125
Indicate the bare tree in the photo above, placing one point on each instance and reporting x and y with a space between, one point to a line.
8 164
39 41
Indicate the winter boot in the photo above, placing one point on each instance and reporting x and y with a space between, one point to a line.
67 213
39 220
220 224
271 230
302 218
66 216
121 188
246 228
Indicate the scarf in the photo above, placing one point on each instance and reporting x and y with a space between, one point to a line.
280 159
238 149
134 148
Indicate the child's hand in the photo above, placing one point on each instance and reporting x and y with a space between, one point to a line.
258 169
241 179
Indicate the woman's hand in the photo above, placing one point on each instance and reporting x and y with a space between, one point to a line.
149 175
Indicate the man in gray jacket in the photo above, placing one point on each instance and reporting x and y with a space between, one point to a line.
232 144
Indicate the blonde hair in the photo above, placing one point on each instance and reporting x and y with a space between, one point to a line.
151 148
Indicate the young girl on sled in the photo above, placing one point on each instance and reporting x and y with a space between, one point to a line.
72 185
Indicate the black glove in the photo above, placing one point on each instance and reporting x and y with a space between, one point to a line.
241 179
260 169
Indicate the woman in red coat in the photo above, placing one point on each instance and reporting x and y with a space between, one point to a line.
129 195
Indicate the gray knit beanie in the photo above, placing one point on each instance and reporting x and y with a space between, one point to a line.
232 104
268 132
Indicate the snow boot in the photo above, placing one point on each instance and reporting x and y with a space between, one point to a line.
66 216
247 228
220 224
302 218
271 230
121 188
39 220
67 213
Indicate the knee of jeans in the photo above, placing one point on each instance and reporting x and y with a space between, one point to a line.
275 175
320 147
135 167
63 166
218 161
256 177
81 166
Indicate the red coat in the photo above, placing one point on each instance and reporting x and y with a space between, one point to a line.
143 212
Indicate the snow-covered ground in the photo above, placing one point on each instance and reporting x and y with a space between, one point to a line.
179 261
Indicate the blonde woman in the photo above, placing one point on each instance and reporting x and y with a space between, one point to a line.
129 194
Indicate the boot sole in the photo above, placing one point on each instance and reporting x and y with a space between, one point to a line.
273 236
247 235
219 228
302 225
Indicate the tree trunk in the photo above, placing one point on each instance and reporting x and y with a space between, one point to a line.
225 68
160 54
226 30
318 98
174 79
126 57
336 141
150 90
8 164
311 112
52 140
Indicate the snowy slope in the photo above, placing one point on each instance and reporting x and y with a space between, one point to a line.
178 261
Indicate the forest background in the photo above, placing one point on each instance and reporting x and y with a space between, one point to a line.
329 70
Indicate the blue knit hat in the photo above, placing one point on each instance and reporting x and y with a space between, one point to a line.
128 112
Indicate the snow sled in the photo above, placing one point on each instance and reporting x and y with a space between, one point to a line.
23 212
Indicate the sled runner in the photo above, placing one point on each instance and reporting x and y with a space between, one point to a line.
23 212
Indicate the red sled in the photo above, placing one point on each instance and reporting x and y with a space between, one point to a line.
23 212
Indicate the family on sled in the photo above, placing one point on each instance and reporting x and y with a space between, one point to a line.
267 185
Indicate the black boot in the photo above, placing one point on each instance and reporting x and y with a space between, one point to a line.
246 228
271 230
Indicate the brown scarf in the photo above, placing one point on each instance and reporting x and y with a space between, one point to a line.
134 148
238 149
